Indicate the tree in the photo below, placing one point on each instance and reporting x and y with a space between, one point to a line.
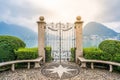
8 45
110 46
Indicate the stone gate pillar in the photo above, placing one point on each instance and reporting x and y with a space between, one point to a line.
78 31
41 37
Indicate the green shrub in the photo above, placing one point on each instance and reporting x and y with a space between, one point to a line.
96 53
48 54
26 53
116 57
8 44
110 46
72 58
92 53
106 56
116 68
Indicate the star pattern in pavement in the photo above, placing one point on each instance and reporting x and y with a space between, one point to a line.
60 70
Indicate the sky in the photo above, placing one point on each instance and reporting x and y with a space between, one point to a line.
27 12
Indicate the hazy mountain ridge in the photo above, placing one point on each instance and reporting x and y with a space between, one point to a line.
31 38
94 33
27 35
94 28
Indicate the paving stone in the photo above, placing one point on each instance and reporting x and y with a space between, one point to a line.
35 74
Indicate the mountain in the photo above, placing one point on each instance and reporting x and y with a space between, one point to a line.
94 28
31 39
27 35
94 33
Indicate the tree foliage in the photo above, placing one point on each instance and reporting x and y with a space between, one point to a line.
110 46
48 56
8 44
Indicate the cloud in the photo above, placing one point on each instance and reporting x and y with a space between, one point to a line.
110 11
61 9
21 12
113 25
26 12
21 8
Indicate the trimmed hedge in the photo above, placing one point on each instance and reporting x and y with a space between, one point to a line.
116 57
92 53
72 57
109 50
48 56
8 44
26 53
96 53
110 46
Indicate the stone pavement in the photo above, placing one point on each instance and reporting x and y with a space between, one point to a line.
60 71
38 74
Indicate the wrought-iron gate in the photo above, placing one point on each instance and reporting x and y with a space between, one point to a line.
61 37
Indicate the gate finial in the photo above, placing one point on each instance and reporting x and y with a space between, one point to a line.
78 18
41 18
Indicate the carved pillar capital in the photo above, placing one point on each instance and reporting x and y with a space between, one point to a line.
78 22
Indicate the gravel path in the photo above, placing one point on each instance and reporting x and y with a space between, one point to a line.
35 74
